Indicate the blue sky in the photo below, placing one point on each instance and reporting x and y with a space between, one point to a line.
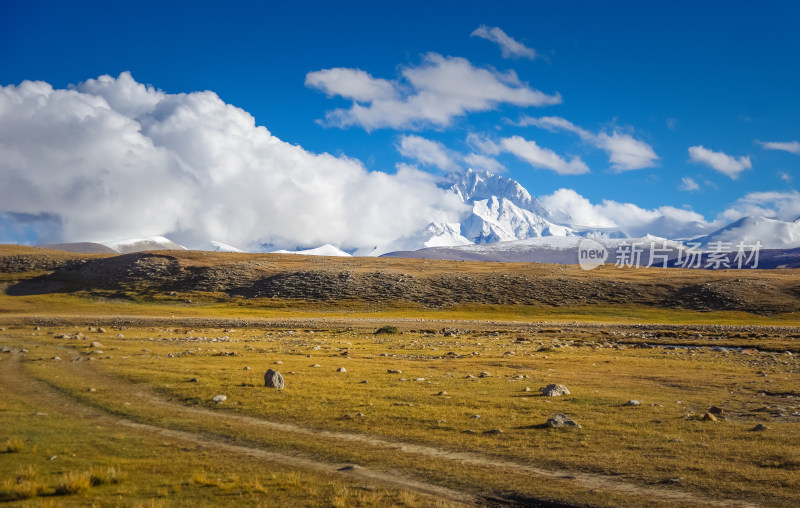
663 76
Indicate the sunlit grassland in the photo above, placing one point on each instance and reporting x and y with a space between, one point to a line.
664 441
205 305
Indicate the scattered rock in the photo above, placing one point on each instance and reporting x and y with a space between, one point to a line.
341 369
194 380
419 379
56 358
273 379
91 390
247 368
394 371
219 398
316 365
760 427
475 416
484 374
96 344
363 382
714 410
120 336
494 431
526 389
555 390
442 393
101 330
708 417
348 468
278 362
632 403
562 420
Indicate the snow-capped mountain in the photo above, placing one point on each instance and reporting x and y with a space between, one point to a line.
771 233
502 210
325 250
143 244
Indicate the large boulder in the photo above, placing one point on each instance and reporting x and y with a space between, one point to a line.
273 379
554 390
561 420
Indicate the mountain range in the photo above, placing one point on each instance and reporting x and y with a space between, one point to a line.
506 223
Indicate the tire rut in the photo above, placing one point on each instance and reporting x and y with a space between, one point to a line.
588 481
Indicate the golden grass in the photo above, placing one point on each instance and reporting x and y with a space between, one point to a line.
663 439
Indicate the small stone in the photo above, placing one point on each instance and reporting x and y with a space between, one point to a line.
419 379
555 390
708 417
273 379
475 416
714 410
92 390
341 369
56 358
316 365
363 382
526 389
348 468
494 431
359 415
220 398
247 368
394 371
194 380
469 376
442 393
561 420
760 427
96 344
484 374
633 403
120 336
278 362
54 457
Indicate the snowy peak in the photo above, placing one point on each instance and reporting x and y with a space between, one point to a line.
143 244
325 250
772 233
476 185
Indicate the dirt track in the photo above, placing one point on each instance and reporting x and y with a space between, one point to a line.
14 376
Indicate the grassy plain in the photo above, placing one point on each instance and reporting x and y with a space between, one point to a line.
130 420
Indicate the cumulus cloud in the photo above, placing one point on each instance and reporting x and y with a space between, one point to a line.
543 158
789 146
112 158
478 161
783 205
624 152
509 47
689 184
427 152
567 206
722 162
483 144
433 93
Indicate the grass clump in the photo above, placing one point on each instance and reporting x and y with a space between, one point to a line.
14 445
74 483
107 476
388 330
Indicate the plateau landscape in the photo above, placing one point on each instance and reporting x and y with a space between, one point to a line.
423 255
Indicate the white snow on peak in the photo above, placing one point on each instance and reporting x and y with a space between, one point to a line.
772 233
215 246
143 244
324 250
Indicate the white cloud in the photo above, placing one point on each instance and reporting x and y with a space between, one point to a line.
509 47
567 206
786 177
790 146
777 204
477 161
482 144
432 93
544 158
624 152
427 152
724 163
351 84
112 158
689 184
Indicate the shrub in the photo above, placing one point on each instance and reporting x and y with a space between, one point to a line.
387 330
